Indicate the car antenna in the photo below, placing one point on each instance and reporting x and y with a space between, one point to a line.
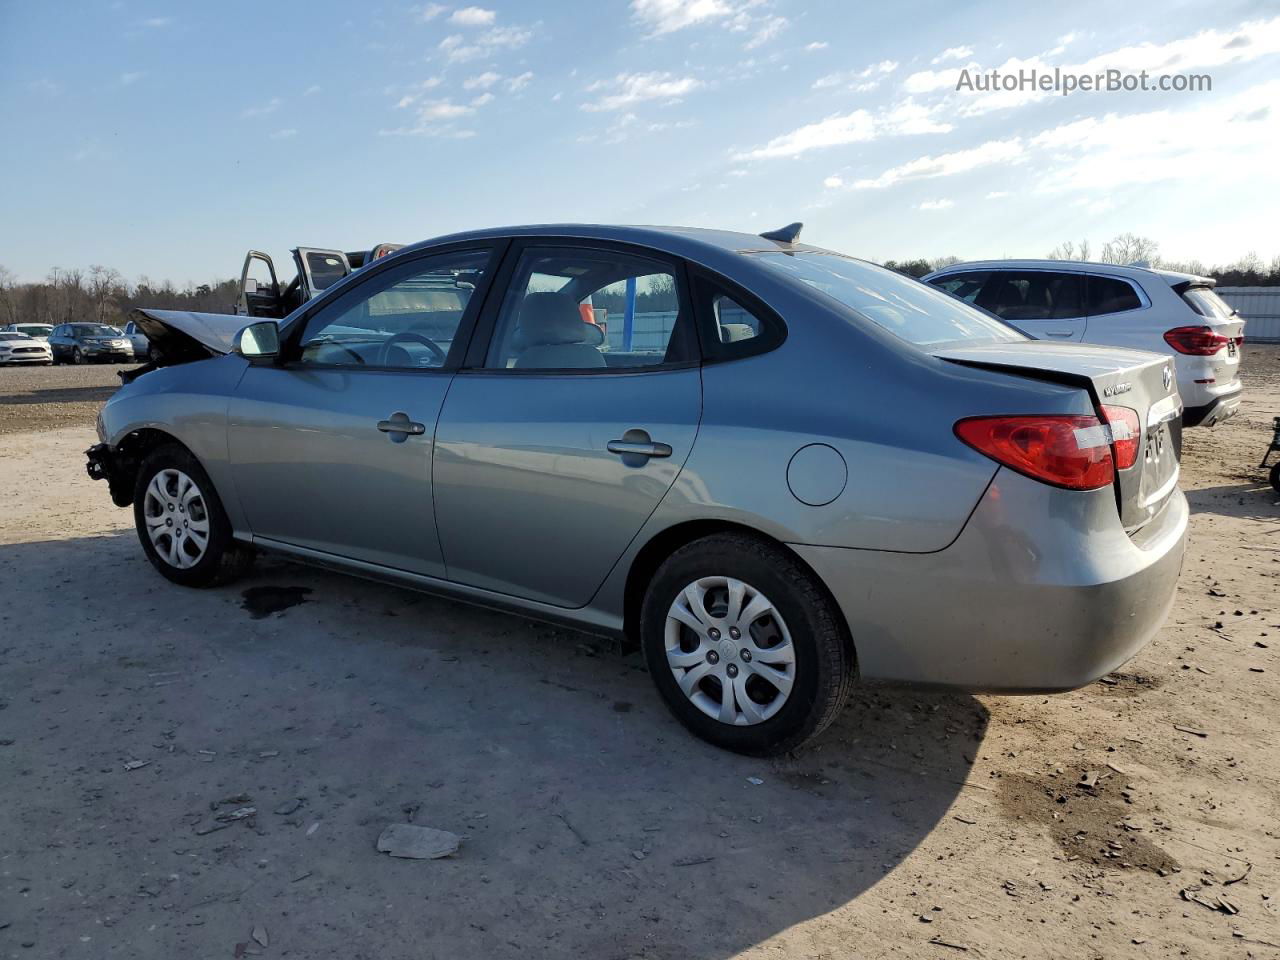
788 234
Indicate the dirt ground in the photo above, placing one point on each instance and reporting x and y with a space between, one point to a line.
139 721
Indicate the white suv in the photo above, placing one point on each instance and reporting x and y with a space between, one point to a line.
1157 310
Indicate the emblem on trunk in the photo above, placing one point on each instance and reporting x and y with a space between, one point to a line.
1116 389
1168 377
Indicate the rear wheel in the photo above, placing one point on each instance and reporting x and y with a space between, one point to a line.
1275 476
183 528
745 645
77 356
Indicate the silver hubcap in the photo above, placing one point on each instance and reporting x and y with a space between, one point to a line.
177 518
730 651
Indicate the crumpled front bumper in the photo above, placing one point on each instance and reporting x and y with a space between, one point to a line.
103 463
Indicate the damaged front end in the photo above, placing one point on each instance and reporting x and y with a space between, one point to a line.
181 336
115 467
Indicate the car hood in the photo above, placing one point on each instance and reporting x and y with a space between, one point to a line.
183 329
10 343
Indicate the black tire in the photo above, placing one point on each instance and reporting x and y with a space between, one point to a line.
76 356
223 559
824 656
1275 476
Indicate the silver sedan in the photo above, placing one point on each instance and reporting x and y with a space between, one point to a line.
778 469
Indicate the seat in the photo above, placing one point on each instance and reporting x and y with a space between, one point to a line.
552 334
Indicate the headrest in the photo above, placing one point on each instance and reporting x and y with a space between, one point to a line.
551 318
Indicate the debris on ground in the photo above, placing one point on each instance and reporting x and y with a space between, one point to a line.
260 936
412 842
289 806
754 781
135 764
1191 730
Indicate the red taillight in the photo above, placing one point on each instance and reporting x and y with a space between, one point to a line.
1196 341
1126 432
1066 451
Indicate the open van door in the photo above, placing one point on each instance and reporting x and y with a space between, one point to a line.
319 269
259 288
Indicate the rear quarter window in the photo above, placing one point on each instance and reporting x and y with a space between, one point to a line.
911 310
1110 295
1204 301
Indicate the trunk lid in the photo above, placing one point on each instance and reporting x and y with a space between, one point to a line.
1223 320
1142 382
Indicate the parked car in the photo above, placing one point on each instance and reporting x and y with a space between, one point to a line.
317 270
19 348
138 341
816 471
37 331
1174 313
85 342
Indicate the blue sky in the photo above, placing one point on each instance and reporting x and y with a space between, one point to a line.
165 139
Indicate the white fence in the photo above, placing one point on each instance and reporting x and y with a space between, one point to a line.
1260 307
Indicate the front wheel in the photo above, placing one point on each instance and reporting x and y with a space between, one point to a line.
183 528
77 356
744 645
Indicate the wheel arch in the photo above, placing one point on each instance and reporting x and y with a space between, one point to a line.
127 457
665 542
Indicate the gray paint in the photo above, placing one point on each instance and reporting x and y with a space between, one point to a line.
510 498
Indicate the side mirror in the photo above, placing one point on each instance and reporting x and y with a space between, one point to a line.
259 340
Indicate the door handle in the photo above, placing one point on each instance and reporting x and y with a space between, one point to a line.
401 428
1056 333
636 445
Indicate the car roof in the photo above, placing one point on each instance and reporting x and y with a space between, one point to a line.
1132 271
692 243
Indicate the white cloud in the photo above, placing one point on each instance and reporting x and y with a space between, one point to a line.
953 53
630 88
869 76
431 11
473 17
516 84
816 45
901 119
667 16
481 100
997 195
481 81
156 23
436 118
766 30
132 77
948 164
312 90
833 182
443 110
459 49
284 134
943 204
271 106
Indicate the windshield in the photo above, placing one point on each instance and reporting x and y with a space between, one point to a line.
905 307
1205 302
34 329
96 330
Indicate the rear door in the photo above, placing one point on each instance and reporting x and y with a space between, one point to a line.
551 451
319 269
1045 304
331 449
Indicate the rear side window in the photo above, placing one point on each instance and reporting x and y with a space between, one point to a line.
1111 295
907 308
1205 302
1015 295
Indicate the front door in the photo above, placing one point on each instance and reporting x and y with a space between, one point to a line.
331 449
556 445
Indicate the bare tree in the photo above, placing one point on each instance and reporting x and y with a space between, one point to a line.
1069 250
8 295
937 263
1131 248
103 282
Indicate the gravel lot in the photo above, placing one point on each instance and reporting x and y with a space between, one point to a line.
134 713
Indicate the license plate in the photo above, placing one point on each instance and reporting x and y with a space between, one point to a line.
1155 446
1231 348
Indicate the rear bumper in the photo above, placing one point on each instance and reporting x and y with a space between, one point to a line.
1043 591
1220 408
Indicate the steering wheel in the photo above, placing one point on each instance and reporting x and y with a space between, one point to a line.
403 336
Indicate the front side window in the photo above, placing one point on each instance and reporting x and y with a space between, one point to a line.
580 309
407 317
1111 295
963 286
95 330
914 311
1015 295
